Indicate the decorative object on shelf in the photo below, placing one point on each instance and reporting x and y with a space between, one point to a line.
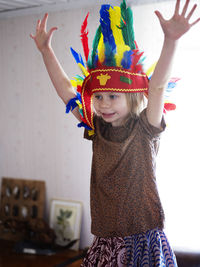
22 203
65 220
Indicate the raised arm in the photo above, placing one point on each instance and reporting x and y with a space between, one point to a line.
58 77
173 29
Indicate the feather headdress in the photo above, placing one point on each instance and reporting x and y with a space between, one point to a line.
114 64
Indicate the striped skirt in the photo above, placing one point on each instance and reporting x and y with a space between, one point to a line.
140 250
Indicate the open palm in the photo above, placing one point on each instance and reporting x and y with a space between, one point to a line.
179 24
42 38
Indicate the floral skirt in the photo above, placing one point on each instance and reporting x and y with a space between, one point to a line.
140 250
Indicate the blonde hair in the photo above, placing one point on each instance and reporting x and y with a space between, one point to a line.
136 103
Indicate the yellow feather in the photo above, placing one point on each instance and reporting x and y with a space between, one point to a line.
115 18
74 83
83 69
79 104
120 54
101 50
151 69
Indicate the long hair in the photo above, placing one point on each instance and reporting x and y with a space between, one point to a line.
136 103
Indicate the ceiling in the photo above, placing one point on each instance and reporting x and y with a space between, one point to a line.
10 5
9 8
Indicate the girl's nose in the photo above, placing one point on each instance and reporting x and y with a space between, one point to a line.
105 103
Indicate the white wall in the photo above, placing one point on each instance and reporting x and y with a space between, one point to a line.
38 140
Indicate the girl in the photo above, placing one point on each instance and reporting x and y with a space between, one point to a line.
127 216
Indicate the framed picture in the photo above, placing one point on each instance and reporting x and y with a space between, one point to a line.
65 219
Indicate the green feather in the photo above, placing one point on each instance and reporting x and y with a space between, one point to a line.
91 61
127 25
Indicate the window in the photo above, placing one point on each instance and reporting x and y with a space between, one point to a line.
178 164
178 161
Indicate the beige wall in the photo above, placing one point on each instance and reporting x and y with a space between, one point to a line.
38 140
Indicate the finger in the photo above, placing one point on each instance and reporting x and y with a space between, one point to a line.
185 7
159 15
37 28
44 22
191 12
195 22
50 32
177 7
38 25
32 36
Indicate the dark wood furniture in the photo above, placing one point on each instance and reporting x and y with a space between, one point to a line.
187 259
9 258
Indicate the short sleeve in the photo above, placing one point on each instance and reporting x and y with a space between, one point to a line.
150 129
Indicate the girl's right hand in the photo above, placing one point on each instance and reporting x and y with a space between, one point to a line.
42 38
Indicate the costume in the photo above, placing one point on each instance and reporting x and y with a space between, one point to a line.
127 216
115 63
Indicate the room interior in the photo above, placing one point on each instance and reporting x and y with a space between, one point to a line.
39 141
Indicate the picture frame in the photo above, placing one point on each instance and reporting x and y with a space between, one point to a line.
65 219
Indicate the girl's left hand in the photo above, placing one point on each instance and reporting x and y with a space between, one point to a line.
179 24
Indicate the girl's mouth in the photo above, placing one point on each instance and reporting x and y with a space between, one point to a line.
108 115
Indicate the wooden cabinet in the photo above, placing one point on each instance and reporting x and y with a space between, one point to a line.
9 258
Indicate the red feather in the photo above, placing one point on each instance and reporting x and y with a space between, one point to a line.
84 37
136 67
169 106
78 89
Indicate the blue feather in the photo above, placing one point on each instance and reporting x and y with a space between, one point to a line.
71 104
77 56
109 41
78 95
82 124
127 61
79 77
95 62
171 85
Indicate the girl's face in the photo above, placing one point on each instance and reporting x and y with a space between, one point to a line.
111 106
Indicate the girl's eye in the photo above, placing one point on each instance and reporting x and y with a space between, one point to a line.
98 97
113 96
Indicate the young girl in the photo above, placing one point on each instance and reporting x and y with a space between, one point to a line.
127 215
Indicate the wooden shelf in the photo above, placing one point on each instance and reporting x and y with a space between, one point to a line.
9 258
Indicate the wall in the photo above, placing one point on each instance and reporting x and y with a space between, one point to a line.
38 140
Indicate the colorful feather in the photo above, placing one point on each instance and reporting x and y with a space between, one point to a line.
121 47
77 81
84 38
127 25
82 124
77 56
101 50
168 106
92 62
83 69
151 70
71 104
136 61
127 60
109 41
